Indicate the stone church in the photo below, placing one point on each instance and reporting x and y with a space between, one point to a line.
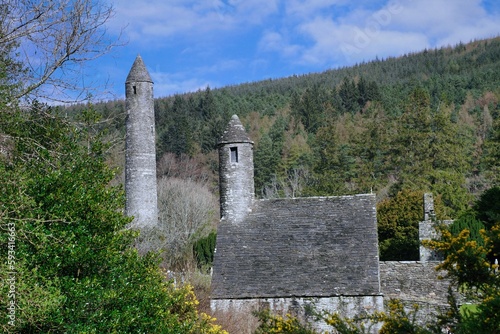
281 254
290 254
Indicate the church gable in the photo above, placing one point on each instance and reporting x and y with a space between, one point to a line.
301 247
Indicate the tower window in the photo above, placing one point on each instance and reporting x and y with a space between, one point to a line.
234 154
135 90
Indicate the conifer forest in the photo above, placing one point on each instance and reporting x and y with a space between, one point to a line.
397 127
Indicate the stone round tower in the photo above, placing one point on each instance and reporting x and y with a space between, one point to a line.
235 172
140 159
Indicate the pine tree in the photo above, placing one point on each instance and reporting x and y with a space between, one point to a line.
310 108
492 153
178 136
266 164
349 94
397 220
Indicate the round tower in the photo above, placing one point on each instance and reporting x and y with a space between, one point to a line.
235 172
140 156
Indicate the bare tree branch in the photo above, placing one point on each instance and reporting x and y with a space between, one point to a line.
187 211
53 40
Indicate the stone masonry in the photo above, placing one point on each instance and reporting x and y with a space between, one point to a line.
235 172
140 156
285 254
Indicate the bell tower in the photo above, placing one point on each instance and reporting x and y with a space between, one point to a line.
140 156
235 172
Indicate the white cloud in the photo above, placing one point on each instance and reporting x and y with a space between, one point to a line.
306 8
149 20
166 84
386 43
446 22
253 11
329 36
437 16
218 42
181 81
274 41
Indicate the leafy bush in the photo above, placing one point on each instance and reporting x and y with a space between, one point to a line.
71 266
270 324
204 250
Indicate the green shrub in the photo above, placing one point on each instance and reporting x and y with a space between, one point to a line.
72 262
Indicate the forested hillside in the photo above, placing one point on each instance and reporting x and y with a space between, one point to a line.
423 122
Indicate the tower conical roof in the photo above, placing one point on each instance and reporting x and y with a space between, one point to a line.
138 72
234 133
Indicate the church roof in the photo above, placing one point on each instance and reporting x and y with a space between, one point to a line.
234 133
138 72
301 247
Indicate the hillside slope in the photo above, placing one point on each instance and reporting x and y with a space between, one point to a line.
426 121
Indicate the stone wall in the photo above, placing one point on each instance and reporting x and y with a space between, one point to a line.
414 282
427 231
348 306
236 171
236 181
140 157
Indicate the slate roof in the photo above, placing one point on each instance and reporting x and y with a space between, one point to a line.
234 133
301 247
138 72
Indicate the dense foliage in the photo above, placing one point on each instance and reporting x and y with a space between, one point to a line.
71 265
203 250
471 262
398 219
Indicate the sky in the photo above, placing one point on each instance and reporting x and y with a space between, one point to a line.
188 45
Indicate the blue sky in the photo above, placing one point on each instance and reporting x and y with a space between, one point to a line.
188 45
